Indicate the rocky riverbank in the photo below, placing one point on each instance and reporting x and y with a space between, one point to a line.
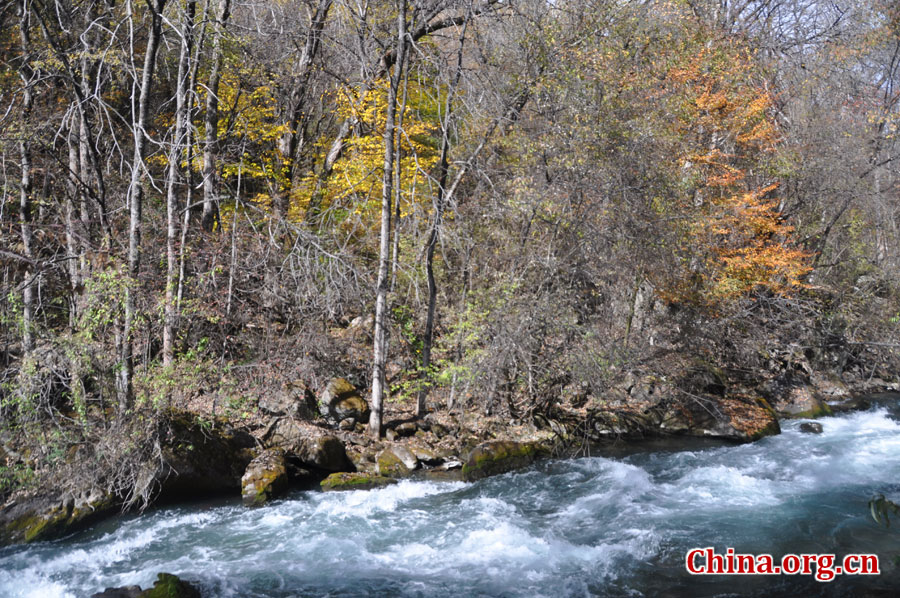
303 441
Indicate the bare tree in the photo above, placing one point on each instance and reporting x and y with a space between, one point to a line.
135 197
380 348
211 122
27 75
179 139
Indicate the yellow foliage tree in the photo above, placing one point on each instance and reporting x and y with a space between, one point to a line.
354 187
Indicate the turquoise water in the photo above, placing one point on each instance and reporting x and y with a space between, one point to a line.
596 526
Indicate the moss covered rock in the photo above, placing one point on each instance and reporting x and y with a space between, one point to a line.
800 402
340 400
395 462
166 586
47 516
170 586
496 457
265 478
355 481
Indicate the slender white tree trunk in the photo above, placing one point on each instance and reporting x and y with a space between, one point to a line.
135 202
379 357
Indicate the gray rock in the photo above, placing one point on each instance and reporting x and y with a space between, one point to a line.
406 429
405 455
324 452
393 465
123 592
284 432
811 428
265 478
800 401
293 400
341 400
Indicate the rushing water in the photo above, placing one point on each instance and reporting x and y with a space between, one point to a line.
597 526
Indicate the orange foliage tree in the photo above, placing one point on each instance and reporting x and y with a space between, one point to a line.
735 240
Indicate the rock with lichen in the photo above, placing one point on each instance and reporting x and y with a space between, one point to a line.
265 478
340 401
355 481
498 456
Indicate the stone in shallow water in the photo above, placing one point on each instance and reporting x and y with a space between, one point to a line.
496 457
355 481
124 592
811 428
166 586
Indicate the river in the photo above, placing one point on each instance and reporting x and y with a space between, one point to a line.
614 525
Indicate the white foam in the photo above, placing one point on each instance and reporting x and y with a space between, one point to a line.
551 532
363 503
720 485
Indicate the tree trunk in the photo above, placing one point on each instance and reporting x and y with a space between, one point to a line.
25 189
74 251
172 180
434 233
189 159
211 122
296 120
379 357
135 201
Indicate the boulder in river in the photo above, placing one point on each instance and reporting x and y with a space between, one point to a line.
499 456
396 462
201 459
265 477
800 402
49 515
355 481
324 452
166 586
735 417
123 592
811 428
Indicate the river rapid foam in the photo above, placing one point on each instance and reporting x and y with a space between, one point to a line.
594 526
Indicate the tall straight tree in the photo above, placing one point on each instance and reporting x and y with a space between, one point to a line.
211 122
135 197
25 205
379 357
440 203
179 141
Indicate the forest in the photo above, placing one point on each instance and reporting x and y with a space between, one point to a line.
527 212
